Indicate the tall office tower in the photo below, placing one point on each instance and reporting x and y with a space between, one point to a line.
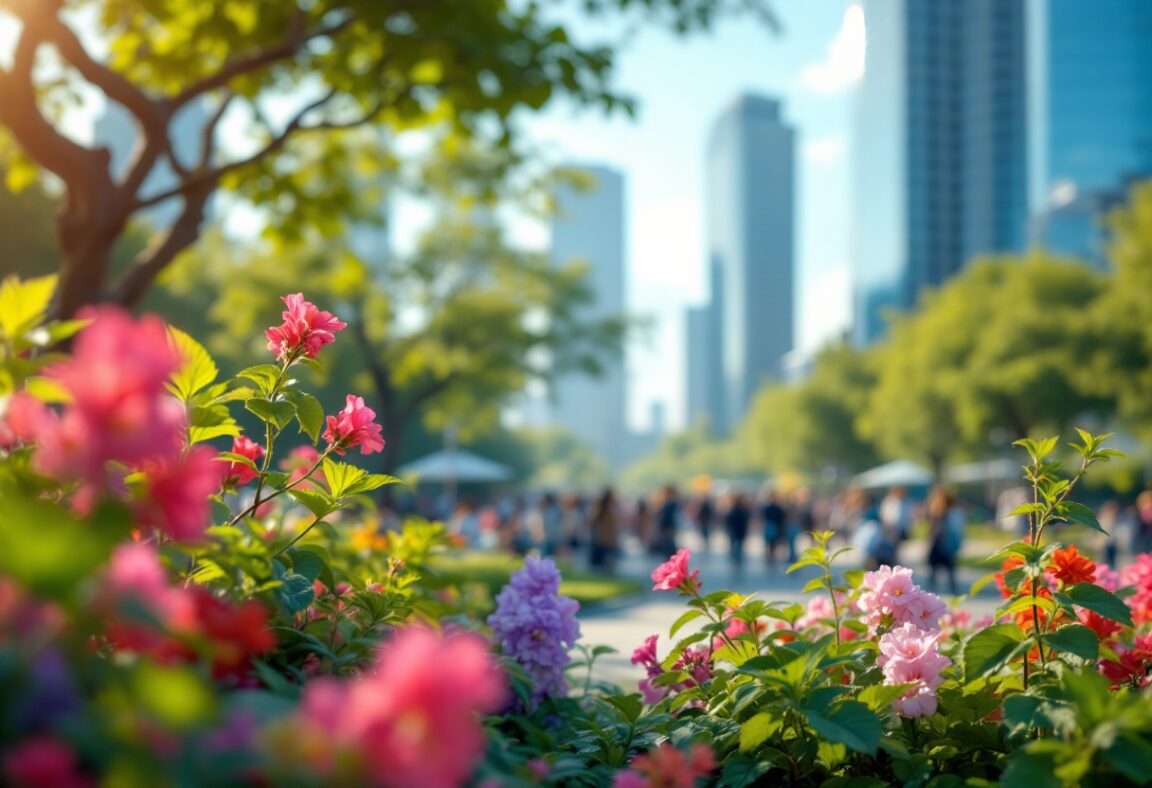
704 366
1090 126
939 148
116 130
750 242
589 226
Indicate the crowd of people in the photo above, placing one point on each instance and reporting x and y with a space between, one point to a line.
593 530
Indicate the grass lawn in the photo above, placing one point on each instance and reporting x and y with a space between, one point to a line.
493 569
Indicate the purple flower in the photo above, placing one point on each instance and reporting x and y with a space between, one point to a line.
536 626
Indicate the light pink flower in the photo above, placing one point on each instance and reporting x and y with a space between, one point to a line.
354 426
416 720
304 331
179 491
889 598
1107 577
652 692
237 473
673 574
909 655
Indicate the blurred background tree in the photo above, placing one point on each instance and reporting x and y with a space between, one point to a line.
276 72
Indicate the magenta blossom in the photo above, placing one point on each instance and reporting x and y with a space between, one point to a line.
179 492
237 473
304 331
354 426
673 574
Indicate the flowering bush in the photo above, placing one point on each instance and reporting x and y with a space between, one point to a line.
181 602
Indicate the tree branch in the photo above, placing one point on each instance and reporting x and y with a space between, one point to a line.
296 125
208 134
148 264
21 114
294 40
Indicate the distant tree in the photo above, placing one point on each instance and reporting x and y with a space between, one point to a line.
685 455
1124 315
811 427
1008 346
275 72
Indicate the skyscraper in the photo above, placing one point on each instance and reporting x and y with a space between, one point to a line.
704 365
939 147
589 227
1090 130
751 245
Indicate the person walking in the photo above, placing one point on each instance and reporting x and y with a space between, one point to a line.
605 533
667 518
736 522
773 520
705 515
946 536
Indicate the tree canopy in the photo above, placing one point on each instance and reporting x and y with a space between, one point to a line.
274 72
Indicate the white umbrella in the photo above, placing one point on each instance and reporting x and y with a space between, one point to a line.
1001 470
900 473
457 465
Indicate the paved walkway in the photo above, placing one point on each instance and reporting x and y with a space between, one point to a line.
624 625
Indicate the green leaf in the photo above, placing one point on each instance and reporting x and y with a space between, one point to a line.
1079 513
295 592
316 501
325 575
341 476
1026 508
24 303
880 696
1132 755
197 369
263 375
989 648
690 615
309 413
758 729
371 482
201 434
278 412
1026 603
1075 639
852 724
1098 600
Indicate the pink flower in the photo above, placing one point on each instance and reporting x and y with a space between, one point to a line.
179 491
652 692
415 721
43 761
136 576
673 574
354 426
237 473
646 654
909 655
120 411
667 766
21 417
304 331
696 661
1107 577
889 598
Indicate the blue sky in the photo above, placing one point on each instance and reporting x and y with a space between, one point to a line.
682 85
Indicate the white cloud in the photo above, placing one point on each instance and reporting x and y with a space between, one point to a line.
843 64
824 151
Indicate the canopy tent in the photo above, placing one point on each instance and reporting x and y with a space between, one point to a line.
985 471
456 465
900 473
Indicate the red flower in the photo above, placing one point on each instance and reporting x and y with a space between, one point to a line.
673 574
236 632
668 767
178 493
304 331
237 473
354 426
44 761
1135 665
1013 562
1070 567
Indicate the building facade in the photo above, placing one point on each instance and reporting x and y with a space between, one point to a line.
589 227
939 148
1090 130
751 247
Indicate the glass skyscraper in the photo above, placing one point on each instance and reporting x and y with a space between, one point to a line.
750 196
589 227
939 148
1090 131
